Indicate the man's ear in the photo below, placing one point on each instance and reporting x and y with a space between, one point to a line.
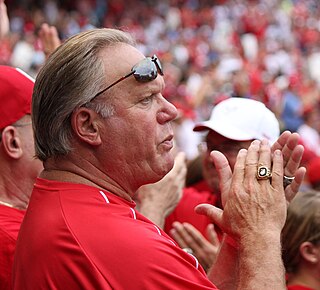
11 142
310 252
85 124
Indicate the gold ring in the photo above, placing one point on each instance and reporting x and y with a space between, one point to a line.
263 173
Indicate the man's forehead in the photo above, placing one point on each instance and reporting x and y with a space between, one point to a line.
120 58
215 138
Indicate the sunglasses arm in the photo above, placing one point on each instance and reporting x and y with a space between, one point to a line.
113 84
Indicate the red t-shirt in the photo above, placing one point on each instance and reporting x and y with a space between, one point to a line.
298 287
10 221
76 236
184 212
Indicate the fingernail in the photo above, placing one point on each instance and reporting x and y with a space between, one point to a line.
278 152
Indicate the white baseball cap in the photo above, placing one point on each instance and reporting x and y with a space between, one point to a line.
242 119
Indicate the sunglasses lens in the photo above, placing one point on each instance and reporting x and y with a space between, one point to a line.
145 70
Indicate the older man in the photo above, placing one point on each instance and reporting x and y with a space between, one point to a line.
102 129
18 167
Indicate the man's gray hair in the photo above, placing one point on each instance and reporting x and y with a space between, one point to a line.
72 75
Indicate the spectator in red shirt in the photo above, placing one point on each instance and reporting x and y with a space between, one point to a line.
18 167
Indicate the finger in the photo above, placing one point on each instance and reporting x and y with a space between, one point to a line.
182 232
239 168
186 236
214 213
196 239
3 8
53 32
281 142
43 29
175 232
202 249
251 161
292 189
293 162
224 172
180 159
287 143
264 163
55 40
212 235
265 154
43 35
180 164
277 171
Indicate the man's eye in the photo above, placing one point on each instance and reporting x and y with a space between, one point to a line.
147 100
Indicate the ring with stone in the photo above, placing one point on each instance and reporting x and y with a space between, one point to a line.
263 173
287 180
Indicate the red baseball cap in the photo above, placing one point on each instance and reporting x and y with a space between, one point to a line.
16 89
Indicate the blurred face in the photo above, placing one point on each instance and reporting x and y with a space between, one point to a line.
140 127
228 147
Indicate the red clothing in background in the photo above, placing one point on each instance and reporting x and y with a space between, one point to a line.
184 212
10 221
298 287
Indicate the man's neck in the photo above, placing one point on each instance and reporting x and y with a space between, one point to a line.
81 177
13 199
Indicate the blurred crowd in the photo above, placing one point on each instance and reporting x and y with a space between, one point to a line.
210 50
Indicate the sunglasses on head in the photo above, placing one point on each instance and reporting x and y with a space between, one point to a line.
145 70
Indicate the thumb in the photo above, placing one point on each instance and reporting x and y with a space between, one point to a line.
212 212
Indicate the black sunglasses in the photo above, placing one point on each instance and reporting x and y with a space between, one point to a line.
145 70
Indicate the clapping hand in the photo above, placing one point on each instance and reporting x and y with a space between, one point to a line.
156 201
188 237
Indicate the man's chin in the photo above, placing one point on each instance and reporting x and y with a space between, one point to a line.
168 162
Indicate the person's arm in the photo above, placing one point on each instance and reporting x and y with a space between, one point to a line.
4 19
254 214
238 267
156 201
224 272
